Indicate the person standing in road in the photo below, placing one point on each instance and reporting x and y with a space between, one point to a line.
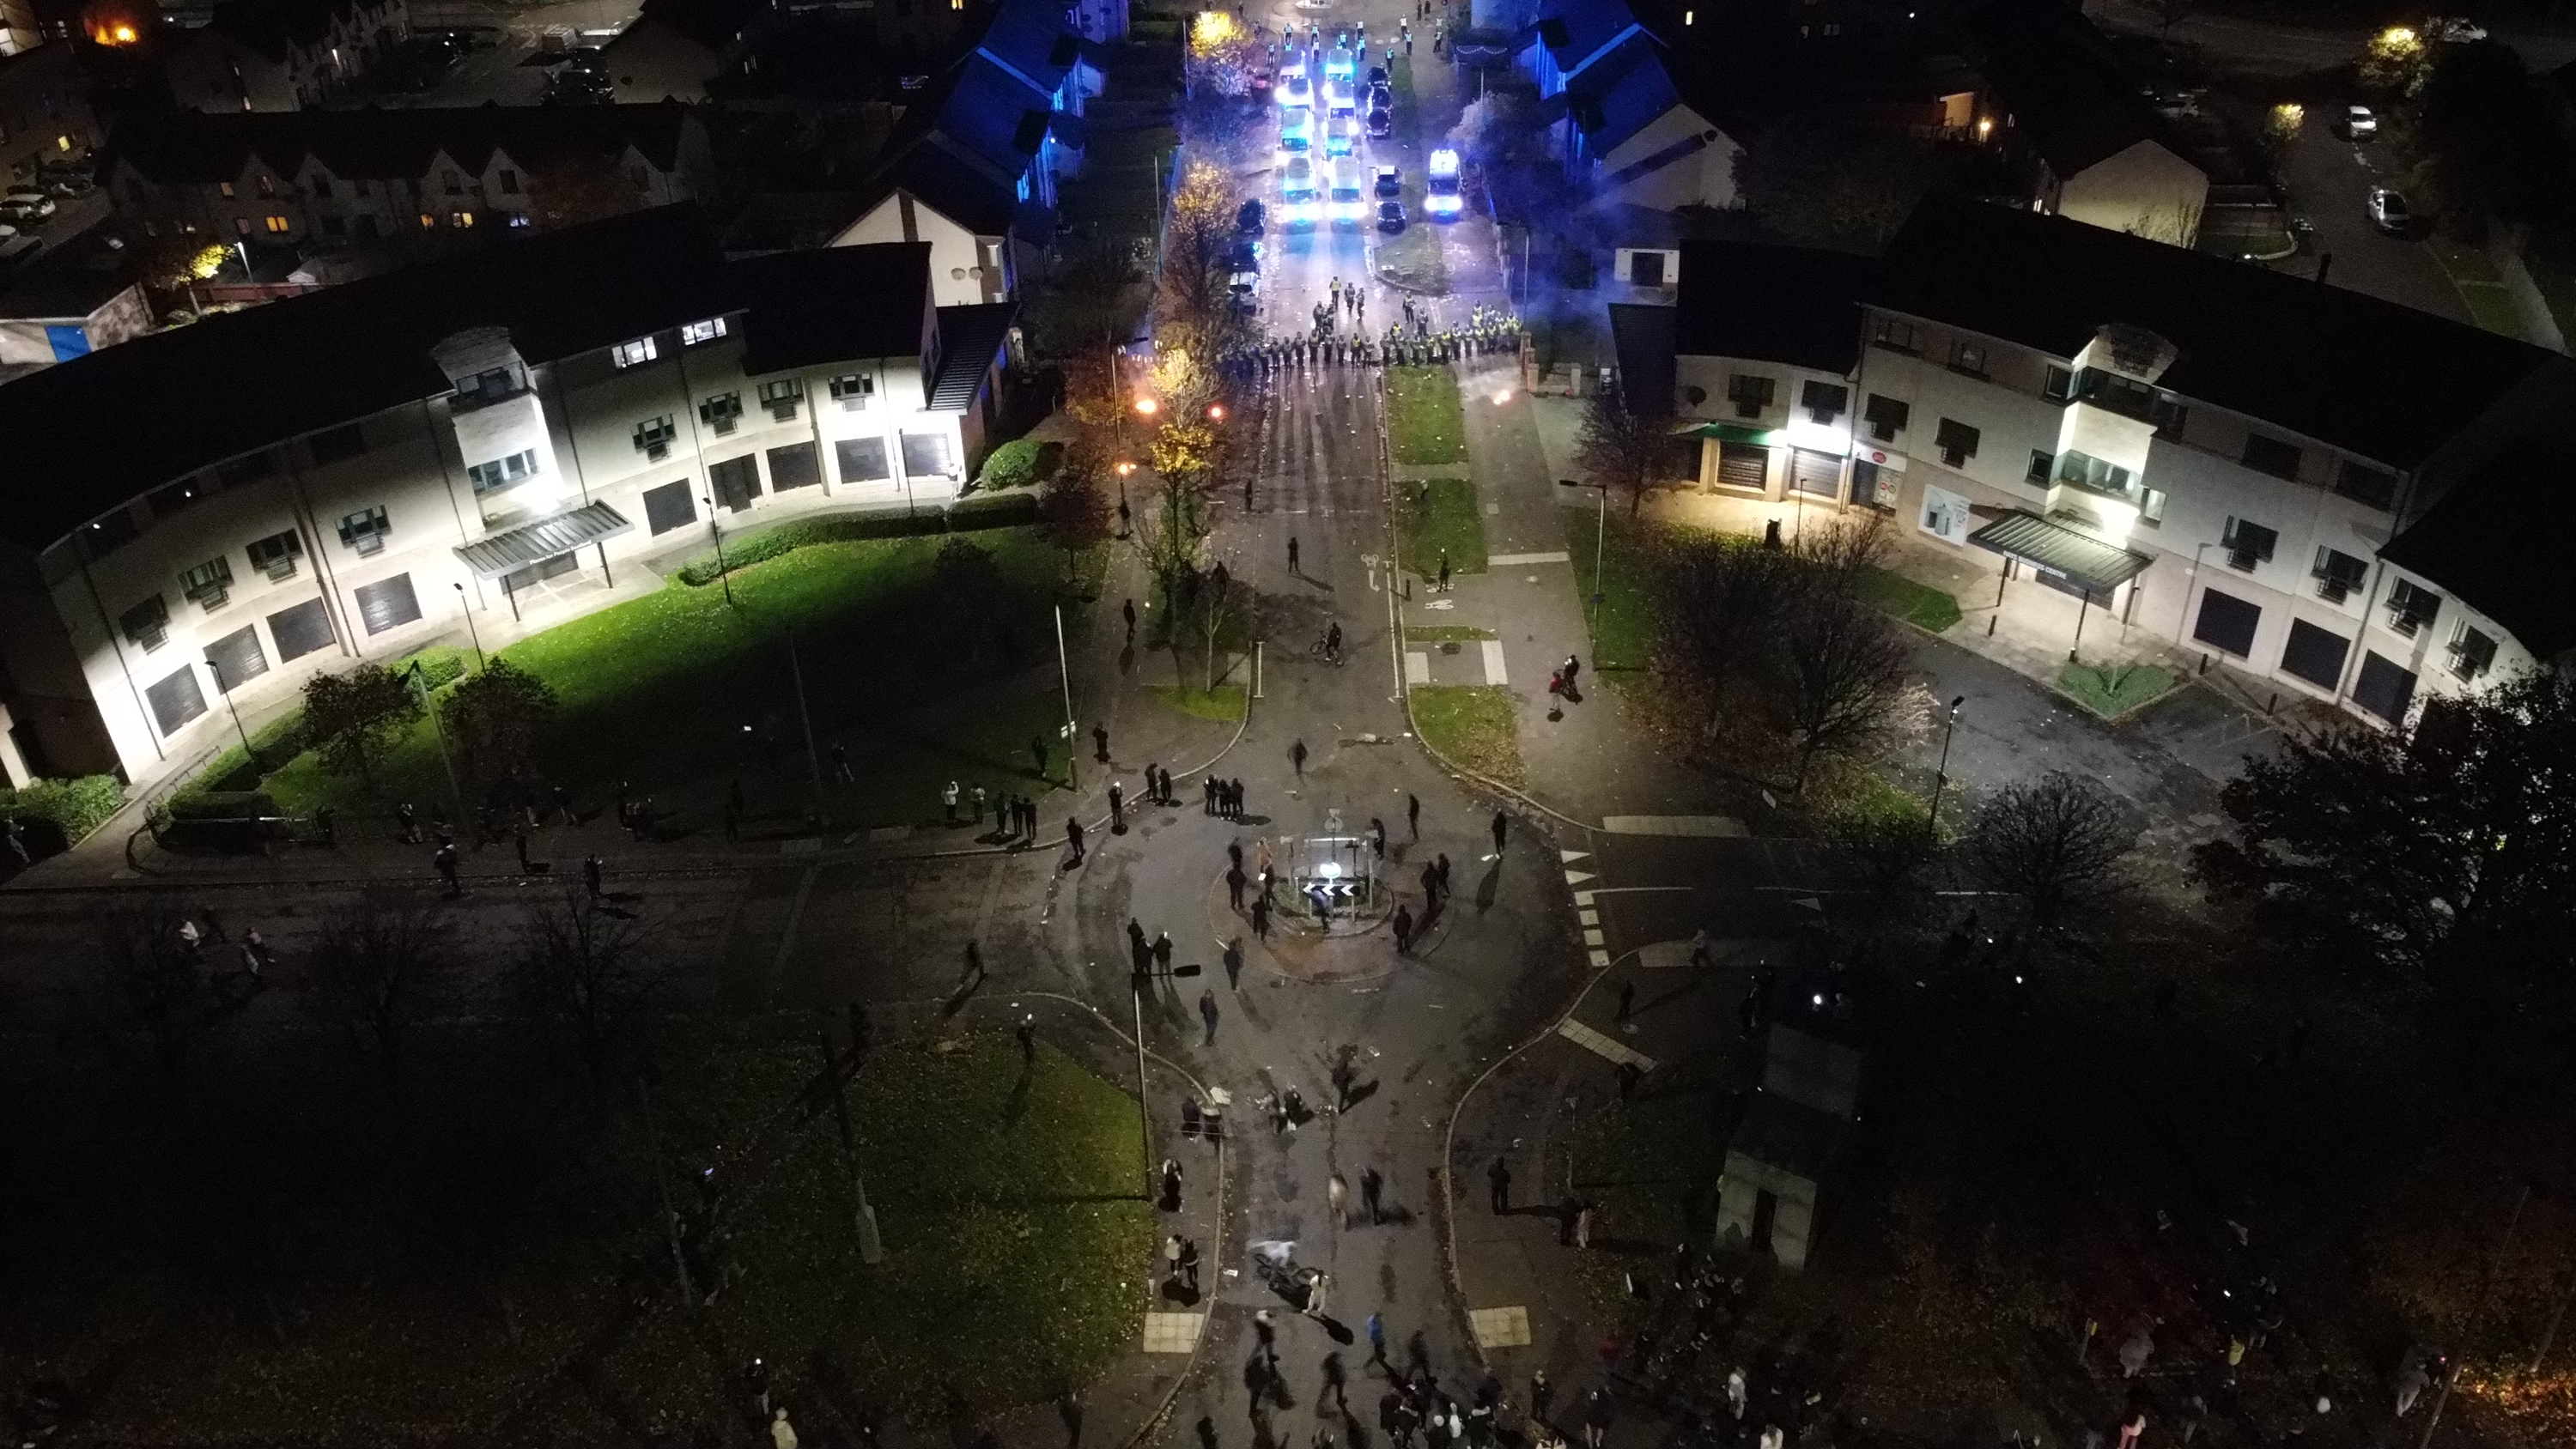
1117 808
444 858
1583 1226
975 805
1444 570
1502 832
1377 1339
1596 1419
782 1435
1372 1191
1129 609
1413 814
1499 1177
1627 1000
1207 1013
1234 887
1338 1194
1430 887
1163 952
1297 758
1100 742
1292 553
1073 838
1403 925
1038 756
1261 919
948 798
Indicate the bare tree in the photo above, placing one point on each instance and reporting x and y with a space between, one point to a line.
587 965
1219 606
1619 448
372 965
2054 842
1724 600
1845 675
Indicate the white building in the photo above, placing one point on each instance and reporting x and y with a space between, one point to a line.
340 476
2319 488
1623 125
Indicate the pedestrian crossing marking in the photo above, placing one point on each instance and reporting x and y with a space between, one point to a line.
1519 560
1417 666
1588 916
1577 877
1600 958
1172 1332
1500 1327
1594 1042
1494 662
1594 938
1583 898
1569 857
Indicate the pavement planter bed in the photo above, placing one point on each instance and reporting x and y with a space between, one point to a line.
1920 605
1442 521
1471 726
2114 689
1423 422
683 693
1225 702
1623 622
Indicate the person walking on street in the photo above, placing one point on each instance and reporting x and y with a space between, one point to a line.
1297 758
592 867
1100 742
1735 1395
1073 838
973 975
445 860
1430 888
1372 1191
782 1435
1292 553
948 799
1261 919
1413 814
1338 1194
1038 756
1403 924
1499 1177
1163 953
1207 1013
1377 1338
975 808
1117 808
1027 1032
1234 887
1596 1419
1583 1226
1627 1000
1502 832
841 765
1444 570
1573 667
1129 609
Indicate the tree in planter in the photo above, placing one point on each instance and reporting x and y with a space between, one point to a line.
1074 510
352 718
1846 685
372 965
497 722
589 967
2441 856
2055 843
1724 603
1216 606
1620 449
1195 242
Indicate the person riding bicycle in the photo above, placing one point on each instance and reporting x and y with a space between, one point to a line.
1333 640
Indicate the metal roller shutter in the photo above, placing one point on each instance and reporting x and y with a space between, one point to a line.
389 604
300 630
176 700
236 658
2227 623
1743 465
736 481
669 507
1817 474
794 466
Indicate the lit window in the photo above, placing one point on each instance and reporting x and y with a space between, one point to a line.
781 397
427 221
277 224
628 354
226 188
364 531
267 188
706 331
519 219
502 473
460 218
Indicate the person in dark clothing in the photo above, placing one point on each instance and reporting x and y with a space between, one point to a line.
1073 837
1502 830
591 870
1403 924
445 860
1100 743
1413 814
1234 887
1499 1178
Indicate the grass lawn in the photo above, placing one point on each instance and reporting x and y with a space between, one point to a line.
1860 801
2114 689
1447 634
1918 604
1442 519
1423 422
1472 726
1225 702
676 690
1623 623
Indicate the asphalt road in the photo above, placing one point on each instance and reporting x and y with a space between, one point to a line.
2277 48
2330 179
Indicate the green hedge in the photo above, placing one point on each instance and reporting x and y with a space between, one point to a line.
1019 463
786 538
219 805
75 807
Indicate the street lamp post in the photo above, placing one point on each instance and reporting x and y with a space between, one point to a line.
470 631
226 691
1144 1104
716 530
1941 776
1064 672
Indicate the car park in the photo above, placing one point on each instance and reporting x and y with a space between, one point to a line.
2389 211
1390 216
2360 123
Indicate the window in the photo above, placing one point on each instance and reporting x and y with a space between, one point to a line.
1824 401
334 226
502 473
2383 688
300 630
794 466
248 468
364 531
427 221
2473 651
2271 455
1750 393
2363 483
2151 505
2227 623
2092 472
226 188
2247 544
629 354
147 623
2338 574
706 331
276 554
721 412
2169 419
2315 655
2060 385
1898 336
490 386
1968 357
521 219
241 224
1956 441
278 225
2411 606
334 444
782 397
862 460
1886 416
509 181
236 658
853 389
926 454
653 437
460 218
209 584
669 507
267 188
2040 463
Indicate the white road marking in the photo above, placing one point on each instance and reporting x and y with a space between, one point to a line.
1494 662
1518 560
1417 666
1593 1041
1704 826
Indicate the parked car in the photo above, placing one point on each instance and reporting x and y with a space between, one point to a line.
2453 29
32 203
1377 76
1390 181
1381 124
1390 216
1248 218
2389 212
2360 123
1341 136
1295 90
1381 98
1244 290
1243 256
1296 130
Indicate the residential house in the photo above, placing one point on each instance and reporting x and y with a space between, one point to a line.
340 476
327 178
44 109
280 55
2320 489
1623 125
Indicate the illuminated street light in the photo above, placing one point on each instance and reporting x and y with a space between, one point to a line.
1502 397
1146 406
1126 468
1216 412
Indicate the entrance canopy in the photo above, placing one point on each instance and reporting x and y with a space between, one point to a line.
2080 557
1737 433
515 549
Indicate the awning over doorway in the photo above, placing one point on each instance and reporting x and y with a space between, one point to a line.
2082 558
1737 433
515 549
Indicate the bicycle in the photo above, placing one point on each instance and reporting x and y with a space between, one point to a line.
1325 651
